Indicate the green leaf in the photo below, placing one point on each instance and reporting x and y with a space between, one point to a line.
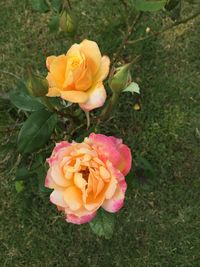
36 131
133 88
103 224
173 8
54 24
37 85
42 173
23 173
146 5
40 5
56 4
19 186
22 100
40 168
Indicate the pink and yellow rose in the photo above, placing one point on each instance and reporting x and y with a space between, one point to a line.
78 76
89 175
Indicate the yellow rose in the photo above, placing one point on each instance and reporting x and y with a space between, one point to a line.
78 76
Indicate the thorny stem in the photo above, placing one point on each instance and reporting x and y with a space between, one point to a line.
177 23
126 37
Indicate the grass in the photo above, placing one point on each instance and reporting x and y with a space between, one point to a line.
159 225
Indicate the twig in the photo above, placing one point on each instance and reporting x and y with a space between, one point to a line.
177 23
69 4
126 37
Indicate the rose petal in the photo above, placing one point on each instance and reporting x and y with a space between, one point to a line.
115 203
92 54
107 149
74 50
111 148
96 97
53 92
103 70
72 197
56 198
85 80
54 156
49 60
58 177
126 157
52 82
49 183
58 68
74 96
71 218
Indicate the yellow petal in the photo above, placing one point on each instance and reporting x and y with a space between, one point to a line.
53 91
92 54
85 80
51 80
72 197
58 68
103 70
57 176
104 173
74 50
100 187
49 60
74 96
111 188
79 181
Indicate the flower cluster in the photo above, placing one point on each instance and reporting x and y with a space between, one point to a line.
89 175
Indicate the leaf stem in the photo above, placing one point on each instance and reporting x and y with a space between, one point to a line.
108 109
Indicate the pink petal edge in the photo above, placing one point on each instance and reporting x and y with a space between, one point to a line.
55 151
71 218
114 150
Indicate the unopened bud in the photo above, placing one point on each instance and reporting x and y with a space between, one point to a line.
67 22
121 78
36 84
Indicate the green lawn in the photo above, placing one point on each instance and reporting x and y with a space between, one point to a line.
160 222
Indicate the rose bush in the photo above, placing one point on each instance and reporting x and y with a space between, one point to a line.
78 76
89 175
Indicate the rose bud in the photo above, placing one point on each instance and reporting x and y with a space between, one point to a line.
120 79
67 23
